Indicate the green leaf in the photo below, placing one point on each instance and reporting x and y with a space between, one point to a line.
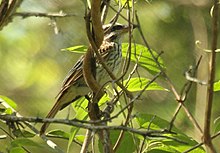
9 111
23 133
141 54
151 121
80 107
80 138
58 133
217 86
7 100
185 144
76 49
158 147
138 52
73 133
124 2
217 124
17 150
177 142
24 142
127 144
104 99
138 84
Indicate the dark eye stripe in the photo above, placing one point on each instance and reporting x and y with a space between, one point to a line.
117 27
114 28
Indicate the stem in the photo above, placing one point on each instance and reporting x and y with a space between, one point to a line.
211 72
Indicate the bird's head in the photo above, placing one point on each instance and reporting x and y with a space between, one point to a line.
113 33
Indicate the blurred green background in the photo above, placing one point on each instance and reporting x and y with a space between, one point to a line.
33 65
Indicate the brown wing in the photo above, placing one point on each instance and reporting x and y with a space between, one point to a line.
73 75
66 96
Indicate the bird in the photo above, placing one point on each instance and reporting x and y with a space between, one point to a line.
74 85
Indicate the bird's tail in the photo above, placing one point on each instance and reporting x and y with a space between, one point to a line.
51 114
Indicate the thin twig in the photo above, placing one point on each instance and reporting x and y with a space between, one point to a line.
96 37
173 89
130 108
211 79
86 142
136 97
183 95
60 14
10 118
202 143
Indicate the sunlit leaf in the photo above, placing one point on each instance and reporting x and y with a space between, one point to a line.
124 2
76 49
17 150
9 101
138 84
80 107
80 138
105 98
217 86
142 55
9 111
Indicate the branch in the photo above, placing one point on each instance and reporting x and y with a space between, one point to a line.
202 143
183 97
96 22
96 38
29 125
89 62
7 8
130 108
60 14
178 97
145 133
211 79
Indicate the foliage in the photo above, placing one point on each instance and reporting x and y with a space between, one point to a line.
174 141
30 67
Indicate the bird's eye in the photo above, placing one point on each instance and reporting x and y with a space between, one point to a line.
112 28
117 27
